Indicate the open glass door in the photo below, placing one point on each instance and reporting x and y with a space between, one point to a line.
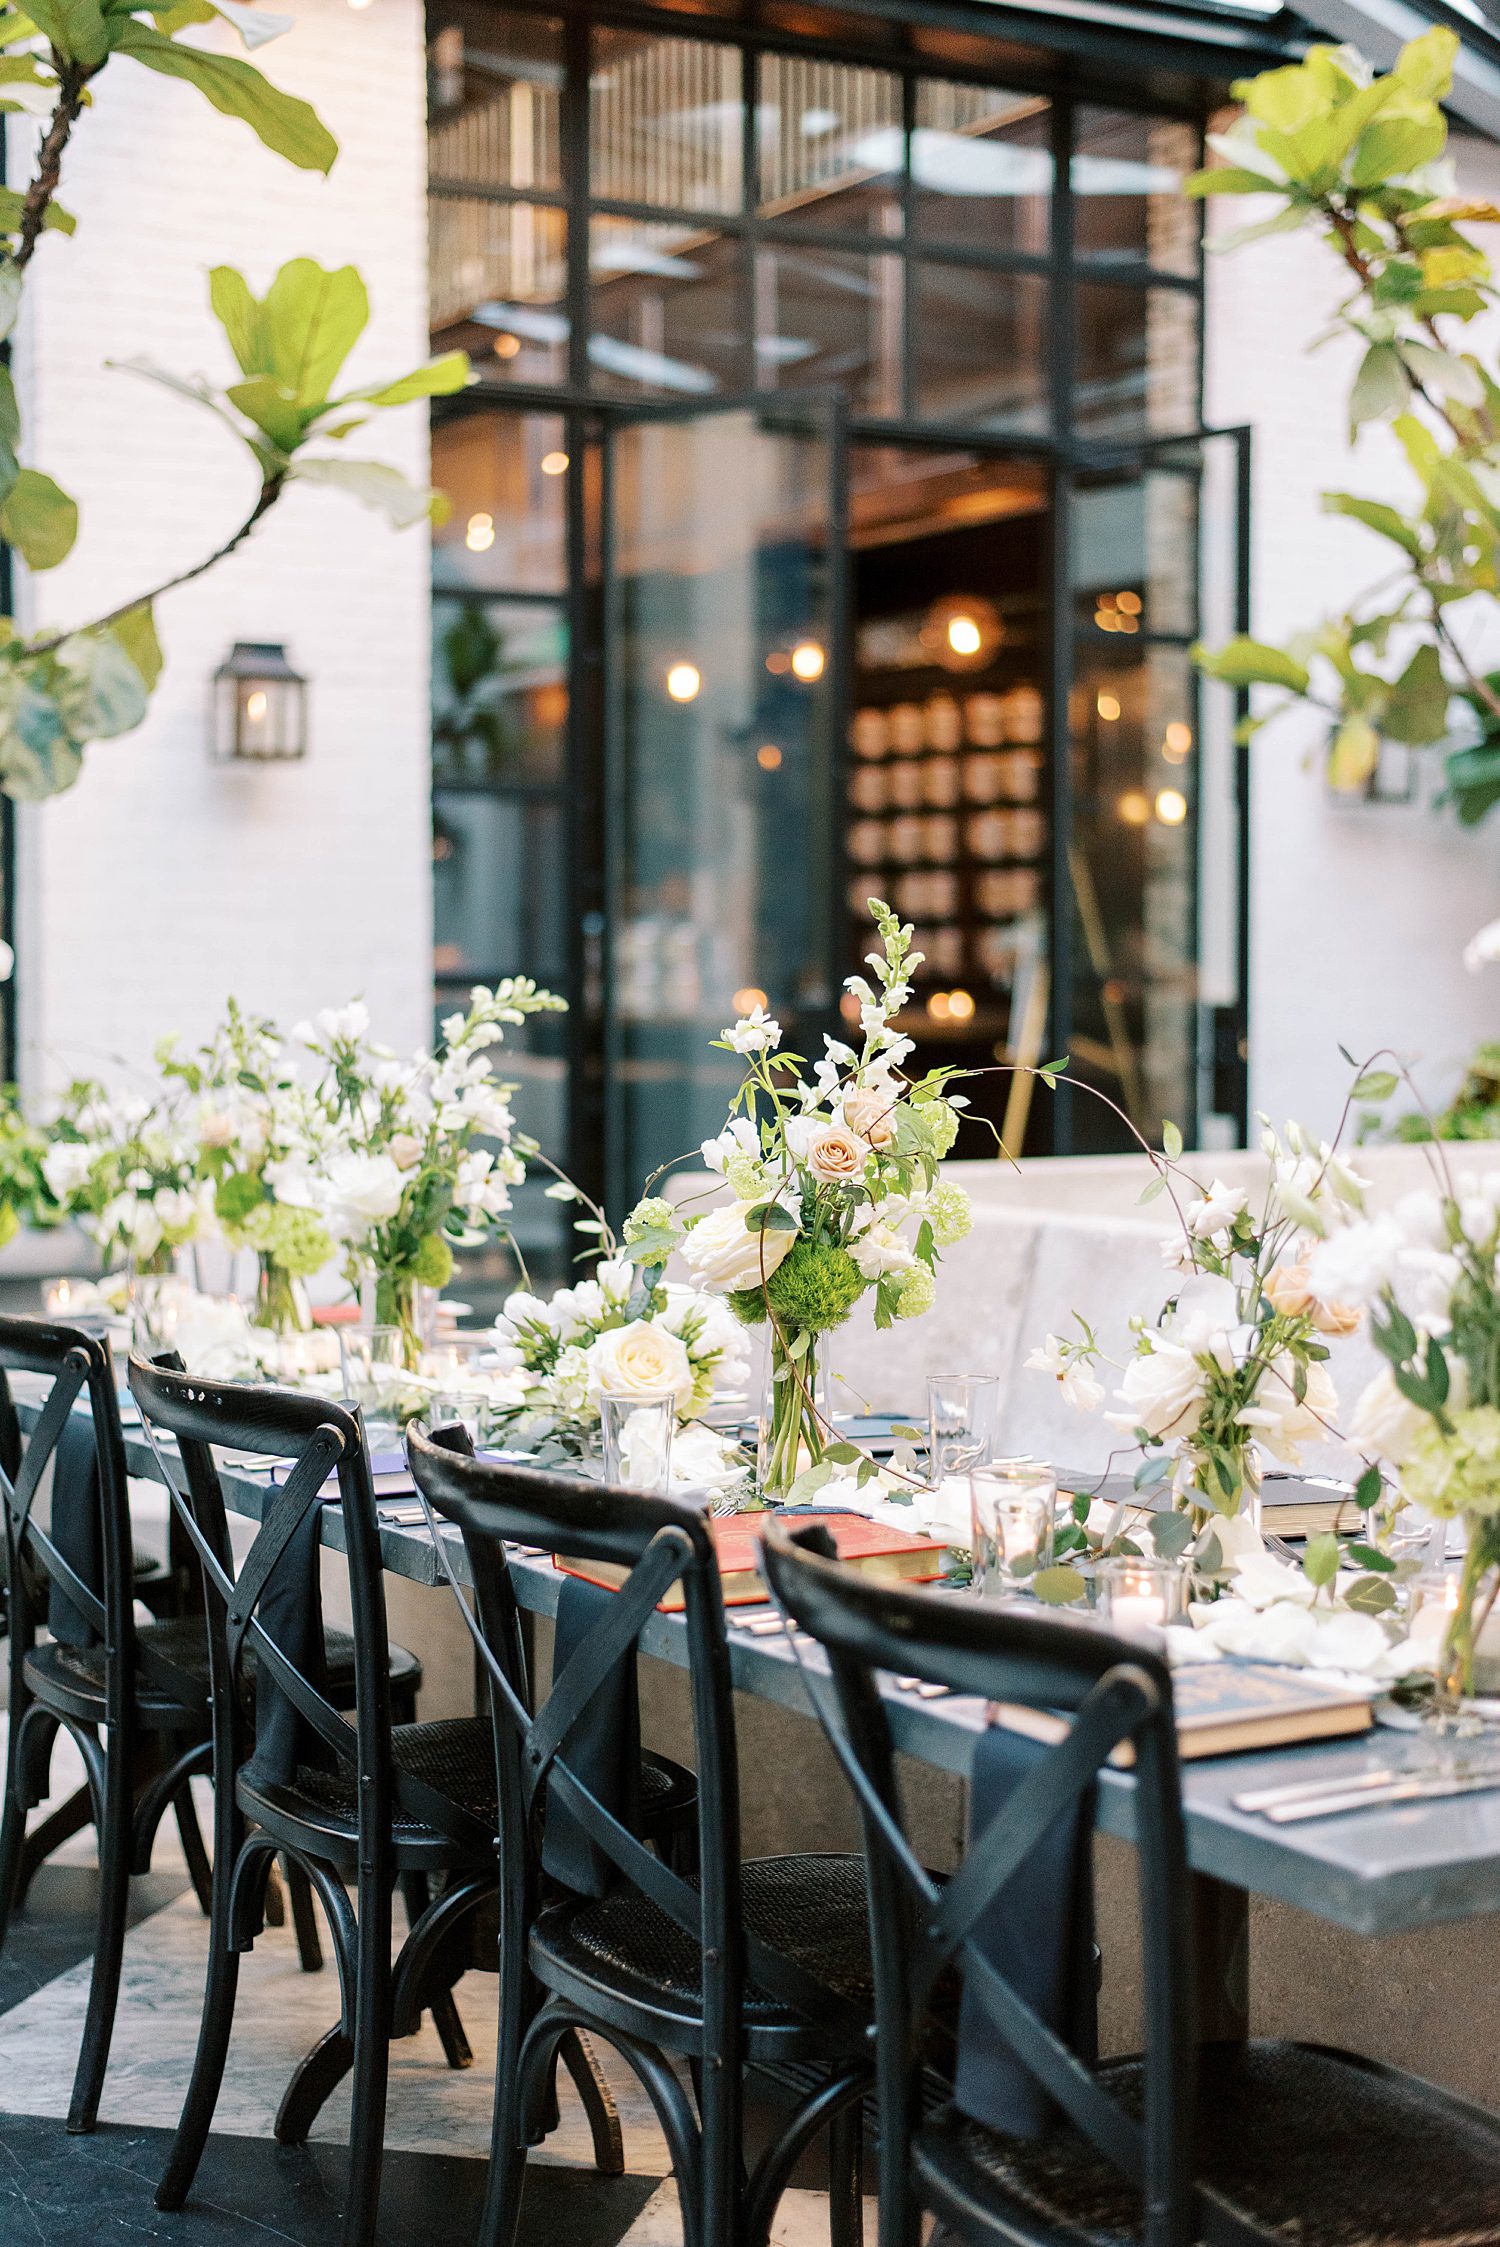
723 679
1149 903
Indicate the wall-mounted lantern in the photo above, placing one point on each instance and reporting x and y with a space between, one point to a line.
260 706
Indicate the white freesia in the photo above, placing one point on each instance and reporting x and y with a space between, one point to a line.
738 1138
1072 1374
755 1032
1217 1211
724 1256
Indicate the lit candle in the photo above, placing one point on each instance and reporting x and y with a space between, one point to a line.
1137 1611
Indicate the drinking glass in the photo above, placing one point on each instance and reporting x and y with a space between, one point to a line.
1012 1503
638 1439
374 1371
1140 1596
962 1409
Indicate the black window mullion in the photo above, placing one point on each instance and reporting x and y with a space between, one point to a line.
1061 650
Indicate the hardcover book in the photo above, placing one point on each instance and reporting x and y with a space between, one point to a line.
1225 1708
899 1555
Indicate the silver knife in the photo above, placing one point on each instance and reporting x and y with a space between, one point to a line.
1264 1798
1334 1802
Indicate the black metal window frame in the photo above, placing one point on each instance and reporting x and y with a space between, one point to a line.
587 414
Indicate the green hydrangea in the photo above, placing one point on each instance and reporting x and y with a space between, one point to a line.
648 1216
949 1212
237 1198
940 1122
1459 1472
814 1286
743 1177
918 1293
432 1265
295 1240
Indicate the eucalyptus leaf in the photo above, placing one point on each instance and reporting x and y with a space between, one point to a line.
1171 1534
1320 1560
1371 1595
39 520
1059 1587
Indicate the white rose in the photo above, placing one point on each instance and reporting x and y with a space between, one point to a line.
1483 948
216 1128
639 1360
1383 1424
65 1167
1162 1391
723 1255
1353 1265
360 1190
1281 1423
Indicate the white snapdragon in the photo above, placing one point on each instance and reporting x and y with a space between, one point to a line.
1071 1371
755 1032
1215 1214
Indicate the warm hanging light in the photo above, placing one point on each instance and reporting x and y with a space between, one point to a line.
808 661
260 706
684 681
962 632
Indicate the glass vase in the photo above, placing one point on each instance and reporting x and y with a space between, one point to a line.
281 1303
795 1424
398 1304
1477 1586
1205 1499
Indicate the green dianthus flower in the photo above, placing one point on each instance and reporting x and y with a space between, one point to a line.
432 1265
815 1286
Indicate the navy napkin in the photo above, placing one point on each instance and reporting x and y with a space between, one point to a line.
76 1527
1039 1934
603 1750
291 1611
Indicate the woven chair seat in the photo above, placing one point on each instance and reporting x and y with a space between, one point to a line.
1319 2148
180 1645
812 1909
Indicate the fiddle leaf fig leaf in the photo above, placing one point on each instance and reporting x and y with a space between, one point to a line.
287 126
39 520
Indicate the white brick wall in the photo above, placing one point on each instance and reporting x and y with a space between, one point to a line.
1359 913
162 882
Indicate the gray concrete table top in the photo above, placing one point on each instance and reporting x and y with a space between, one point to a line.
1376 1871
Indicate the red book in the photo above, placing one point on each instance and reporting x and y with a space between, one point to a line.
900 1555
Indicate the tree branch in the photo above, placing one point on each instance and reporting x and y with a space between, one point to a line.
71 81
270 491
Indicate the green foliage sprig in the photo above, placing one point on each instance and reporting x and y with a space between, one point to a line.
1358 159
59 690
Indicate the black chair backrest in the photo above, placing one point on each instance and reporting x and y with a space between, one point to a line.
92 1579
318 1439
654 1543
1114 1693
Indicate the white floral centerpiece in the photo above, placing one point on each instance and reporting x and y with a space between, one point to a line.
1429 1272
836 1192
394 1162
1237 1361
124 1166
623 1334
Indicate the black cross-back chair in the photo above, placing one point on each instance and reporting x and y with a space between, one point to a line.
135 1707
374 1803
1230 2145
740 1966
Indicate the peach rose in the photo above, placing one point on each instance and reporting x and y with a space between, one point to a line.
870 1112
1286 1290
836 1157
406 1150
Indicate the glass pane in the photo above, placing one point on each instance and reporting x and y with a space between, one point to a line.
496 118
665 122
1137 360
1134 549
1127 186
1134 1008
499 693
506 475
720 725
829 318
978 347
497 285
981 167
667 306
830 143
947 784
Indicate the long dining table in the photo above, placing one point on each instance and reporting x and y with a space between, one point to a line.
1376 1871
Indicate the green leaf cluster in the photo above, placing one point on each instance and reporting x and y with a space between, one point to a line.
1355 157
